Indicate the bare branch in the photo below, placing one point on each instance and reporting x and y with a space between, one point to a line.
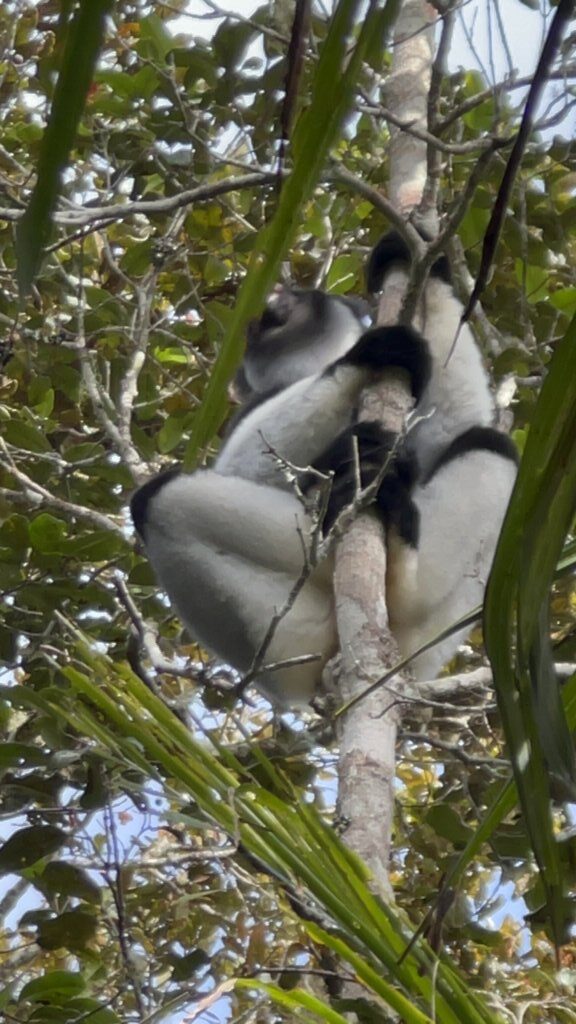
102 215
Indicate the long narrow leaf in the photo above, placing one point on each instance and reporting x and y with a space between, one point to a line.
125 717
317 130
516 607
81 51
296 1000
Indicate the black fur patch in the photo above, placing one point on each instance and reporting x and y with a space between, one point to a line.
374 446
312 306
141 498
400 347
397 508
269 320
392 249
365 447
476 439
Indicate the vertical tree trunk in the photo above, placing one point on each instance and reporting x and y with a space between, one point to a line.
368 731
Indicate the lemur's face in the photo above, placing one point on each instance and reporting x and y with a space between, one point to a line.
288 307
300 332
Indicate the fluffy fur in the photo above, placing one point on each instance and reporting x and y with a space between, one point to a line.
227 544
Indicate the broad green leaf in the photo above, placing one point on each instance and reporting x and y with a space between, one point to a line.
153 31
82 1007
71 930
170 435
231 41
342 274
28 845
70 880
53 987
14 532
96 546
47 533
564 299
25 436
13 755
447 823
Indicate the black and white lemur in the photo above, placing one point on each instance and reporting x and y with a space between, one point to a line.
226 543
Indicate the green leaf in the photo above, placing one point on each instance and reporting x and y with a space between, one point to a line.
298 1000
137 260
41 395
447 823
69 880
95 546
88 450
565 300
80 55
14 533
168 355
25 436
535 280
71 930
185 966
23 755
342 274
29 845
91 1011
54 987
231 41
516 616
170 434
47 532
154 32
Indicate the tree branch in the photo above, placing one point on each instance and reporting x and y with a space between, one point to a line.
102 215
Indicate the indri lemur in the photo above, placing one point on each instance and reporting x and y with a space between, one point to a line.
226 542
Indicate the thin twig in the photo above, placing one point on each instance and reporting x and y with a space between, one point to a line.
413 128
68 508
454 750
506 86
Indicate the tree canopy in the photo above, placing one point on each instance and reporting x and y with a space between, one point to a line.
162 838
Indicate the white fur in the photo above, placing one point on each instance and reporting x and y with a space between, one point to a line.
297 424
458 394
461 512
228 553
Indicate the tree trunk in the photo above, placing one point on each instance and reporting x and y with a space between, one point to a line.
367 731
